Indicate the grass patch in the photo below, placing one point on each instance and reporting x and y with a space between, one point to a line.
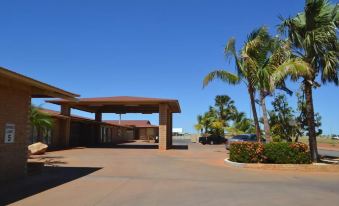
321 140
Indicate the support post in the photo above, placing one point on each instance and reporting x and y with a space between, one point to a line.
165 128
98 116
65 110
66 125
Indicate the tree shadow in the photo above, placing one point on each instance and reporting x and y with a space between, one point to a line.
50 177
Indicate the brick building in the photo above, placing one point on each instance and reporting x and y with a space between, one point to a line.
16 92
83 131
142 129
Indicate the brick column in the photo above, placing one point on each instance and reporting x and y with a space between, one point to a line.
66 125
165 128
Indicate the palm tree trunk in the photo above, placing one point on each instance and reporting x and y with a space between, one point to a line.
312 137
265 117
254 111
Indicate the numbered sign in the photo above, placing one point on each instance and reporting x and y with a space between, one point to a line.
9 133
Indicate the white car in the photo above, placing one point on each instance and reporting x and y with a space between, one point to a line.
335 137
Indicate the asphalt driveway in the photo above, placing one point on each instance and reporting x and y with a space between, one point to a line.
135 175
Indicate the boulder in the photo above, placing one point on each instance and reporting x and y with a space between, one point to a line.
37 148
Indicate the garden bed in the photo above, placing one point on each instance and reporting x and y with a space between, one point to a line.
313 167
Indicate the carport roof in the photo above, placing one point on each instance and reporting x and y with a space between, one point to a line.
120 104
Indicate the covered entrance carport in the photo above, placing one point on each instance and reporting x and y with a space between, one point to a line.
123 105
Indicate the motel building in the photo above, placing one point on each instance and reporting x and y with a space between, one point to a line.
16 92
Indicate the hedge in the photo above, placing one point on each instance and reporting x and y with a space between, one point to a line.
274 152
246 152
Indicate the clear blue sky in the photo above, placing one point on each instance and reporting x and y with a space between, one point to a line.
158 48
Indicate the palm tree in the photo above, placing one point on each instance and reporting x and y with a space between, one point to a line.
241 124
256 56
225 108
264 57
243 75
206 120
200 125
40 121
315 44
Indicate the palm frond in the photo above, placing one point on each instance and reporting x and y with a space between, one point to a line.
222 75
295 68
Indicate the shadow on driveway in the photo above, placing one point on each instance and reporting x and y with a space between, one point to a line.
49 177
140 146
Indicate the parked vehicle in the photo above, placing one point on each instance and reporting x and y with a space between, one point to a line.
335 137
242 138
212 139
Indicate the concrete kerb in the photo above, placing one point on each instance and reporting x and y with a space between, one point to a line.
315 167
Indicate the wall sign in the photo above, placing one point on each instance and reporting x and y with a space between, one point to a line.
9 133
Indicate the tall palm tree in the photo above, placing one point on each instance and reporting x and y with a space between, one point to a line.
256 56
263 57
243 75
40 121
313 34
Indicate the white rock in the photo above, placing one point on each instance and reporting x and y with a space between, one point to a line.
37 148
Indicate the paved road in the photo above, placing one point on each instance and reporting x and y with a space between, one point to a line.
145 176
331 153
323 152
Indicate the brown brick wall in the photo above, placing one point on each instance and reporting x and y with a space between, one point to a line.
14 108
165 128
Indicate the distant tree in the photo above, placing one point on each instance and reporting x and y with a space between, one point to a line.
224 116
225 108
241 125
200 125
215 123
302 118
284 124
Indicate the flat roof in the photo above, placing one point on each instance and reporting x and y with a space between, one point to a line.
120 104
38 89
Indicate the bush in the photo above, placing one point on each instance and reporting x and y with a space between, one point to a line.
275 152
246 152
286 153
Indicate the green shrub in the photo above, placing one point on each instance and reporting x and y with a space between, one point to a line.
275 152
246 152
286 153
